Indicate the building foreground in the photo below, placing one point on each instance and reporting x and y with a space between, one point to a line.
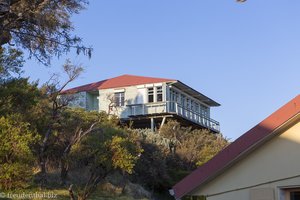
263 164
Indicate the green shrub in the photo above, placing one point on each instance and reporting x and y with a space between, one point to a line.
16 158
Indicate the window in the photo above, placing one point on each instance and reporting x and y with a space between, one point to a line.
159 94
156 92
172 95
182 100
150 95
119 99
204 111
290 194
177 97
295 195
187 103
197 107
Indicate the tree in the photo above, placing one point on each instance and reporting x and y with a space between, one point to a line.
16 158
99 154
78 123
151 168
194 147
18 96
42 27
58 104
11 63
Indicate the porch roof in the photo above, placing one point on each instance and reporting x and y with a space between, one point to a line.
194 93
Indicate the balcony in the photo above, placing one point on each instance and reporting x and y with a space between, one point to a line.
170 107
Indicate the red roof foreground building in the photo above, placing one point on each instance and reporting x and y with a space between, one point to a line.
254 138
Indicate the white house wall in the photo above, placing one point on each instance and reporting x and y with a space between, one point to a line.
130 94
141 96
133 95
106 97
274 163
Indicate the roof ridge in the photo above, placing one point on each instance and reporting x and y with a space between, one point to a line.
142 76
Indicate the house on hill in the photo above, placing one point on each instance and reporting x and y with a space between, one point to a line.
146 101
263 164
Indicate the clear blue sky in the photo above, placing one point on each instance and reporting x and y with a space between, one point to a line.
244 56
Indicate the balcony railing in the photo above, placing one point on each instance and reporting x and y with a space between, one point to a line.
174 108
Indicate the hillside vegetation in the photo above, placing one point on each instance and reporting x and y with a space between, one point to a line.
47 146
88 155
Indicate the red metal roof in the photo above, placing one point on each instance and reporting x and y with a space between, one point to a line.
239 147
119 81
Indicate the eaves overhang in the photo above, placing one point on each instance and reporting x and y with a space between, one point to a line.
194 93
